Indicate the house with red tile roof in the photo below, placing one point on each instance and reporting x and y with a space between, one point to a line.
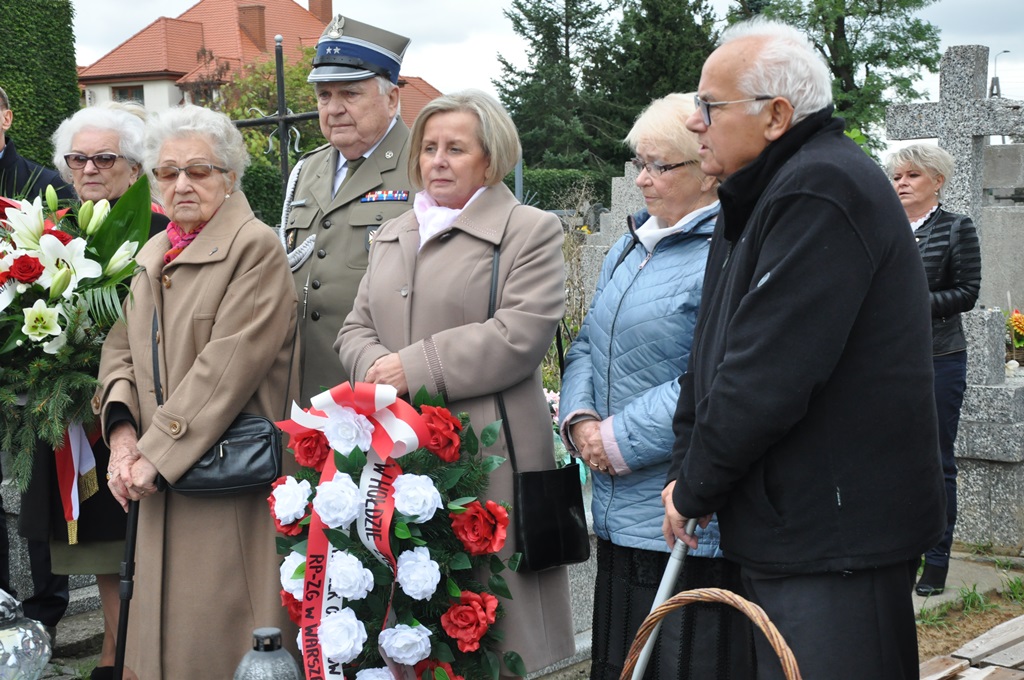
178 60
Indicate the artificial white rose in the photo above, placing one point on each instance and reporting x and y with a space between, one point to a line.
416 496
337 501
406 644
288 567
342 636
348 577
346 430
374 674
291 500
418 574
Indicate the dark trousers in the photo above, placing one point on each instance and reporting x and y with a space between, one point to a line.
950 382
848 625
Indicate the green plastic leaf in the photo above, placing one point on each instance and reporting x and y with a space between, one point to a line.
459 561
300 571
497 566
441 674
300 547
422 397
442 652
492 463
491 664
470 444
498 586
450 476
453 588
514 663
515 561
416 540
402 530
459 504
489 435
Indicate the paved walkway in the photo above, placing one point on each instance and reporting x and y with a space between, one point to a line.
79 637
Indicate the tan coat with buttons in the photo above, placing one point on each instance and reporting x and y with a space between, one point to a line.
327 282
206 570
430 306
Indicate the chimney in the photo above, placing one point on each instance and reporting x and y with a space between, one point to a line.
252 22
323 10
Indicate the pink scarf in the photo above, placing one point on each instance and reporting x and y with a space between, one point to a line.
180 239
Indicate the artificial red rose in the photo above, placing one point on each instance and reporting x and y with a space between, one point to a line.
468 620
3 277
26 268
293 606
428 666
444 431
61 236
293 529
311 449
481 529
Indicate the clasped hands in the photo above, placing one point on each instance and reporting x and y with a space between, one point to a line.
388 370
129 475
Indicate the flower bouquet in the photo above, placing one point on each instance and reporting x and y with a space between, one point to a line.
386 537
63 273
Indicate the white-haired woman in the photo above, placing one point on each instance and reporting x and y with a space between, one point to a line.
421 317
619 393
952 261
217 286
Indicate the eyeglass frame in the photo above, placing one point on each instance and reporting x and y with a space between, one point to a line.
705 106
93 158
186 169
656 170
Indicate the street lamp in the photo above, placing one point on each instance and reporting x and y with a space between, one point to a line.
993 90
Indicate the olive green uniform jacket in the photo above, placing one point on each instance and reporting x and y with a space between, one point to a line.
343 226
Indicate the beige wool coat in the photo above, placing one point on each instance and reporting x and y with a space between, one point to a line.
431 307
344 226
206 569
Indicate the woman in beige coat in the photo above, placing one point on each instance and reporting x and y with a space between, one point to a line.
420 317
218 285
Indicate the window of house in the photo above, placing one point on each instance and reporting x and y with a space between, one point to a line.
130 93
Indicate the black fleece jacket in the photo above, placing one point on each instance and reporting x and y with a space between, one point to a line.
806 418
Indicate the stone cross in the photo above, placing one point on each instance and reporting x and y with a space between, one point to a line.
961 119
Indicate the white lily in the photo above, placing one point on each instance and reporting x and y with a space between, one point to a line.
99 213
56 256
27 224
120 259
41 321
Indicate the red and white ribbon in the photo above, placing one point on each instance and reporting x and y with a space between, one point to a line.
74 461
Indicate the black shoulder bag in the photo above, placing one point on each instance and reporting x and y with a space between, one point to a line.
551 525
247 457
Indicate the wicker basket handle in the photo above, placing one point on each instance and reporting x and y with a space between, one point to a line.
753 612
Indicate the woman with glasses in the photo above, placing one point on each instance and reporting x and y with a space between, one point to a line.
618 397
99 151
213 307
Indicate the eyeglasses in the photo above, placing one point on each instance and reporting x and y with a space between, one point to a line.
655 169
706 106
103 161
197 171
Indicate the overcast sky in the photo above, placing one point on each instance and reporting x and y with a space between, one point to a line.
455 43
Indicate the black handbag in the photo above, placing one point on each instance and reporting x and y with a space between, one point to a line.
247 457
551 525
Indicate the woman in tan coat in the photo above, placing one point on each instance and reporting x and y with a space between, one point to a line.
218 286
420 317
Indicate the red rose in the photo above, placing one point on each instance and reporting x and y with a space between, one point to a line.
444 431
311 449
26 269
293 529
61 236
467 621
3 277
428 666
294 607
481 530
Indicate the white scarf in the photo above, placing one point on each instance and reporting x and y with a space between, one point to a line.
434 218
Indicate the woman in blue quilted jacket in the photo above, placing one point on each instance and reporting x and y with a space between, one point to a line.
618 396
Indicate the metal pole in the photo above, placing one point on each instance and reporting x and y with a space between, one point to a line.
665 588
127 586
282 111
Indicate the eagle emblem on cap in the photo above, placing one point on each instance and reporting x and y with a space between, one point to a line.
335 29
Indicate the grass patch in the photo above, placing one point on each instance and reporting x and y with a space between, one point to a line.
935 617
973 601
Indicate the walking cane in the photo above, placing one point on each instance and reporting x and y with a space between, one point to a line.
665 588
127 586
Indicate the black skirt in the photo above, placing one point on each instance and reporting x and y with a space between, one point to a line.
697 642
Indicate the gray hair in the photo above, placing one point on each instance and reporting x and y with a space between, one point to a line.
496 132
191 121
663 125
932 159
5 103
121 119
787 65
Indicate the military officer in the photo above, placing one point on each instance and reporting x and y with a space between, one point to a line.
339 194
